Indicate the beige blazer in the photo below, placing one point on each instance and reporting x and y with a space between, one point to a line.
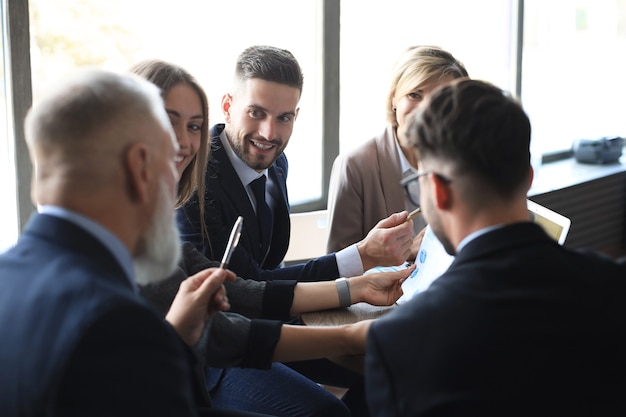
364 188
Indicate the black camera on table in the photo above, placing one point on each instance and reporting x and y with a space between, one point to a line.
603 150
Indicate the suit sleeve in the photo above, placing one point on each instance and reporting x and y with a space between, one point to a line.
345 205
117 370
231 340
379 384
323 268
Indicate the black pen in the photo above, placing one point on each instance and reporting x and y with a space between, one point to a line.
232 242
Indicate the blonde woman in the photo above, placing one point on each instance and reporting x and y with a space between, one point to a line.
365 183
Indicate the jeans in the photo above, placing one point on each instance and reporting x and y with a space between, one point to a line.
283 391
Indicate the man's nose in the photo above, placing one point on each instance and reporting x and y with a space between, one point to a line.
268 129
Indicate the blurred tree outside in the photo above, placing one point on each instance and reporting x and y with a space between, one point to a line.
69 34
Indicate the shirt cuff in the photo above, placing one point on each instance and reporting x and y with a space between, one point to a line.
349 262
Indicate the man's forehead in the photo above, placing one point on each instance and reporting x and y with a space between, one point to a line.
269 95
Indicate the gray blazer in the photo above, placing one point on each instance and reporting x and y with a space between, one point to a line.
364 188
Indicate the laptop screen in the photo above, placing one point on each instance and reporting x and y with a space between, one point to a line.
555 224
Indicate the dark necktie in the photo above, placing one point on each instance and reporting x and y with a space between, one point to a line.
263 214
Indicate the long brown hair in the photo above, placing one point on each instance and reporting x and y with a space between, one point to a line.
166 75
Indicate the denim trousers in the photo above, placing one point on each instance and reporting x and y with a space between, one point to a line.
289 390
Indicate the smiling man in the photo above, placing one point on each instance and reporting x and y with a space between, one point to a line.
259 112
247 176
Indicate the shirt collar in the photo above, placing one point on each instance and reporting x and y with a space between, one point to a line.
467 239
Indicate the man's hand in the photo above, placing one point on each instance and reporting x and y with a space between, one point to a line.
388 243
198 297
379 288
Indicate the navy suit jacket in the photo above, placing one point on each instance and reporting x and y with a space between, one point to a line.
77 340
225 200
517 326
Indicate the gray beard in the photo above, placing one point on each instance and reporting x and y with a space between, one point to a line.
160 246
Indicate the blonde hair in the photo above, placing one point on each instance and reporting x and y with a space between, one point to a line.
416 66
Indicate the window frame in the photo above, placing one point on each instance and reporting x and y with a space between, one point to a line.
19 93
18 86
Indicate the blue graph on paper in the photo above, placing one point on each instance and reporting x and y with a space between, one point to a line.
432 260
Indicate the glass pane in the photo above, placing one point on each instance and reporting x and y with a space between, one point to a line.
8 208
204 37
573 83
373 37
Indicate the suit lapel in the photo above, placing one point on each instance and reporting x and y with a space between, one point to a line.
226 178
228 181
390 174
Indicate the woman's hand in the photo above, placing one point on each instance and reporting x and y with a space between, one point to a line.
379 288
198 297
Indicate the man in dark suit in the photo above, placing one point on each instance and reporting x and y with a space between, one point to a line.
260 113
77 340
518 325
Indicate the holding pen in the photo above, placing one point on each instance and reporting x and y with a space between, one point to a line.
414 214
233 240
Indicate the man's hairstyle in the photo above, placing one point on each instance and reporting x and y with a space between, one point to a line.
80 112
416 66
79 130
270 64
477 128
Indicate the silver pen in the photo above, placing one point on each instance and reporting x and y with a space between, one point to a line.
232 242
414 214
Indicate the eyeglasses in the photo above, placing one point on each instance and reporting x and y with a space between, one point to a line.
411 186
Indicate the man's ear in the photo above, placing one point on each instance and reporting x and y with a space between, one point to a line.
443 193
227 101
136 162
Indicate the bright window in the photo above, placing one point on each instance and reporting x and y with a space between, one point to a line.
573 84
204 37
573 57
374 34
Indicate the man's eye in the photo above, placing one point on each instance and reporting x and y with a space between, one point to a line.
256 114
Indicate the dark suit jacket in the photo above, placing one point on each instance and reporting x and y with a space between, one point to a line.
77 340
517 326
225 200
